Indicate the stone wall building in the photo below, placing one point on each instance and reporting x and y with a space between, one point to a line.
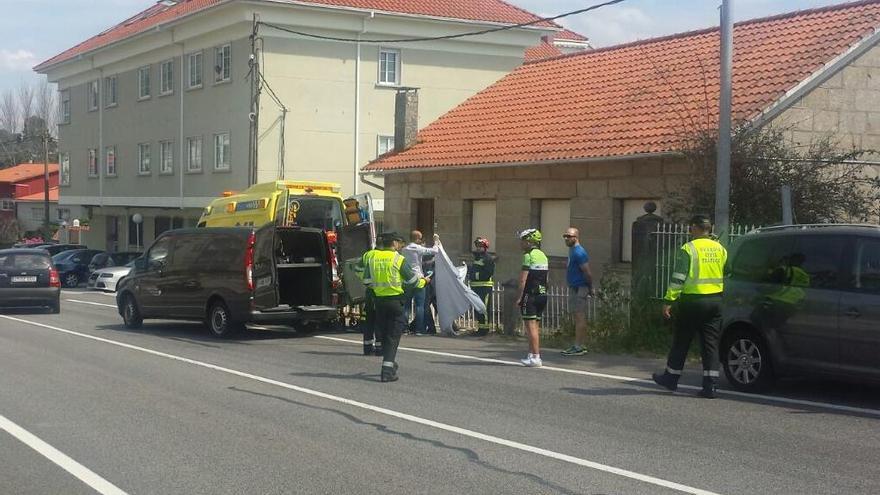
586 139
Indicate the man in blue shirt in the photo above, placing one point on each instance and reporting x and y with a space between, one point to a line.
580 287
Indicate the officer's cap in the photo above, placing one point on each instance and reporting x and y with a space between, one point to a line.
391 236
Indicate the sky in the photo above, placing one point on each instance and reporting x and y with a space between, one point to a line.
35 30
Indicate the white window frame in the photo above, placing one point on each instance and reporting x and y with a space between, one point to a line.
199 142
144 84
145 158
224 165
388 145
223 60
108 170
92 162
7 205
397 66
111 88
166 157
64 169
65 106
166 78
94 94
199 73
553 224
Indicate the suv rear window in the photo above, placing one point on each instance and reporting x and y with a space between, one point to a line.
867 275
820 257
24 261
758 260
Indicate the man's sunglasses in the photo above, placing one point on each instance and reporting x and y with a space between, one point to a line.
566 236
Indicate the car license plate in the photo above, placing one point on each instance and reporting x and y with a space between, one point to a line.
23 280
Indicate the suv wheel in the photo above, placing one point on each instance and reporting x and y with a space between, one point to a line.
220 322
71 280
131 315
746 361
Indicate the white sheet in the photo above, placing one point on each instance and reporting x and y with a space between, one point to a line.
454 297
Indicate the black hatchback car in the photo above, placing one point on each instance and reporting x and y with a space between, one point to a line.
802 300
27 278
73 265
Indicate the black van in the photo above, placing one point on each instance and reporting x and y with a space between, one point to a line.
802 300
229 276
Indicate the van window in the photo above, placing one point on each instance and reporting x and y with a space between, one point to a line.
188 251
819 257
759 260
317 212
159 251
867 273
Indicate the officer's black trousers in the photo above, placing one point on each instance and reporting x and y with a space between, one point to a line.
701 315
371 331
390 322
483 325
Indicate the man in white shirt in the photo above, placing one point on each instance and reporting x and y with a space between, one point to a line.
414 253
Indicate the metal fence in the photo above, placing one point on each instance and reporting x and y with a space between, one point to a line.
668 239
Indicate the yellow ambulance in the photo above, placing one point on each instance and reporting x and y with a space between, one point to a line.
288 204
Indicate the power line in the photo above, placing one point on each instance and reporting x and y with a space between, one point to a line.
446 37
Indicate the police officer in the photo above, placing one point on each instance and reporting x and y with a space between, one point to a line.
695 289
388 274
480 274
372 338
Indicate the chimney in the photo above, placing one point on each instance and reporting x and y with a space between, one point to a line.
406 118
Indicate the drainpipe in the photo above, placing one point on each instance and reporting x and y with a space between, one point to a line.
183 75
357 102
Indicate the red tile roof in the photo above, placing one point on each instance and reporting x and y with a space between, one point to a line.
40 196
493 11
567 34
25 171
542 51
636 98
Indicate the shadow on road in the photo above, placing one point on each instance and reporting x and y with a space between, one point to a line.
469 454
196 333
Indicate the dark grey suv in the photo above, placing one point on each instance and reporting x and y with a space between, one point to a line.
802 300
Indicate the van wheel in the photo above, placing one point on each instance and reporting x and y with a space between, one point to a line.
220 322
745 357
131 315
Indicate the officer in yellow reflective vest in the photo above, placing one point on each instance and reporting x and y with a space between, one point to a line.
388 274
695 289
372 338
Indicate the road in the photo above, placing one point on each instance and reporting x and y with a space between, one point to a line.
90 407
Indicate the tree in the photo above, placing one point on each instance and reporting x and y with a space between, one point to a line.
828 183
26 114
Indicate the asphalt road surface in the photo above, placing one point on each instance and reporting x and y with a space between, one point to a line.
87 406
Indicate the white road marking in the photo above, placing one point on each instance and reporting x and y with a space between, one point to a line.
389 412
91 303
628 379
81 472
89 292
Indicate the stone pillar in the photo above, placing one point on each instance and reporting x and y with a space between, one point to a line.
644 254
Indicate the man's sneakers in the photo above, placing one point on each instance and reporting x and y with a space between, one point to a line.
532 361
575 350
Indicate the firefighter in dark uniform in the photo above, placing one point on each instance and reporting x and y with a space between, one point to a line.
372 338
695 291
388 275
480 274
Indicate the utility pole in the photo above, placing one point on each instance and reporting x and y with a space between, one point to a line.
254 114
722 171
46 218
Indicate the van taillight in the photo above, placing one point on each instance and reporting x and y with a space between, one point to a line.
54 279
249 261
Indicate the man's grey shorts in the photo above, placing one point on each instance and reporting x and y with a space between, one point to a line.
577 299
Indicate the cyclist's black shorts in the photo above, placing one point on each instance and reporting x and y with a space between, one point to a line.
533 305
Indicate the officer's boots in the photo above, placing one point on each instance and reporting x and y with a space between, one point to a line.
377 350
389 372
710 387
368 349
666 380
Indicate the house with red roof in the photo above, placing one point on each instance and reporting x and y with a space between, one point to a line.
162 113
21 181
586 139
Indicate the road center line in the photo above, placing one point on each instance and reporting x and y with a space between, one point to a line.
92 303
628 379
389 412
81 472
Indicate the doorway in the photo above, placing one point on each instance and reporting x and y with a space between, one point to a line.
112 238
424 216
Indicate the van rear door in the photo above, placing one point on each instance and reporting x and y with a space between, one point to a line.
265 271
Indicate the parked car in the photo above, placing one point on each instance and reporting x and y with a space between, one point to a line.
54 249
27 278
802 300
229 276
107 279
107 260
73 265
